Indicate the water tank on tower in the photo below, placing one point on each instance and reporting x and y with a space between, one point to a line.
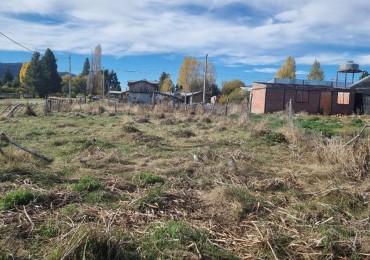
348 67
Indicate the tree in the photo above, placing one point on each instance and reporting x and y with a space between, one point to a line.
32 77
22 72
163 76
215 91
191 75
50 78
78 84
230 86
86 68
316 73
7 77
188 74
94 85
113 82
167 85
232 90
364 75
287 70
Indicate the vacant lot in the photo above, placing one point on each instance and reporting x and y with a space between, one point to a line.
143 185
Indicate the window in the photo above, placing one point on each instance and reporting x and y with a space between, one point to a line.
343 98
301 96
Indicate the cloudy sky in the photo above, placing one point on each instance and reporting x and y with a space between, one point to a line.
248 40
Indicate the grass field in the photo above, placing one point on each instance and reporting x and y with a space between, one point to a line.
139 184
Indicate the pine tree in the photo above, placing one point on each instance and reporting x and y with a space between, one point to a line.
86 68
113 82
316 73
32 78
287 70
51 80
7 77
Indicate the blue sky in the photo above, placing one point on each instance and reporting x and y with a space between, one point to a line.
246 40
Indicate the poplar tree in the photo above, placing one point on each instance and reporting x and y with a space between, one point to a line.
167 85
316 73
188 74
287 70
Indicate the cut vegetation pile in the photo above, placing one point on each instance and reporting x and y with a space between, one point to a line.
136 185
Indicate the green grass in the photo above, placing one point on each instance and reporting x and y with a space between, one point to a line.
149 178
173 240
326 126
17 198
87 184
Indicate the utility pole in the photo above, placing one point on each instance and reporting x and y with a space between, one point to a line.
103 82
205 80
70 77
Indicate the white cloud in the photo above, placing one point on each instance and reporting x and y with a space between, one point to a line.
276 30
263 70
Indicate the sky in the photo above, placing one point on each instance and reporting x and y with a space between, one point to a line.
245 40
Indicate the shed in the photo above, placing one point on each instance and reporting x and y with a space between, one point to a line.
306 96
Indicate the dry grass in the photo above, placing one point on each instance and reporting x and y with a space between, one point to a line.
209 186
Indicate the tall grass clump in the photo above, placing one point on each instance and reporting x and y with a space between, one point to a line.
352 160
88 184
17 198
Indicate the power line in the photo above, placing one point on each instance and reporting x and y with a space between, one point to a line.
16 42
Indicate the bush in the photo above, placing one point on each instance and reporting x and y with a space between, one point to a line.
87 183
17 198
149 178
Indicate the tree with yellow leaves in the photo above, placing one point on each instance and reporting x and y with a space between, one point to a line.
287 70
188 74
167 85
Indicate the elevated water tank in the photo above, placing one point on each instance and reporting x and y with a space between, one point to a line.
348 66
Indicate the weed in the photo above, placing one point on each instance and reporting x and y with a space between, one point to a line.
69 210
275 137
49 229
99 196
337 240
326 126
149 178
155 197
357 122
88 184
3 144
233 116
17 198
172 240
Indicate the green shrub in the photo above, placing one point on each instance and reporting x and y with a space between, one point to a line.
17 198
172 240
87 183
149 178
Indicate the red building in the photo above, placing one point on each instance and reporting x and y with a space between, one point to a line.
312 97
